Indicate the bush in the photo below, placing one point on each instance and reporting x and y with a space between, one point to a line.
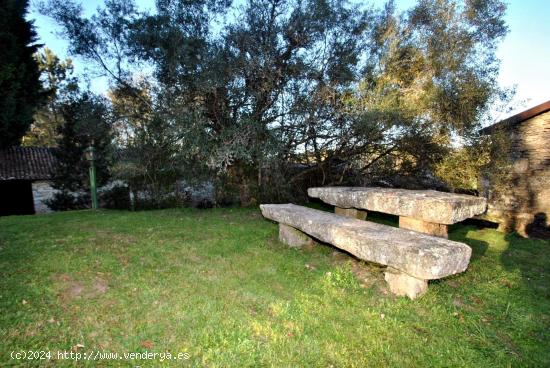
117 197
204 204
146 200
65 201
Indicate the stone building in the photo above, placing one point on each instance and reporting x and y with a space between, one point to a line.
25 180
522 201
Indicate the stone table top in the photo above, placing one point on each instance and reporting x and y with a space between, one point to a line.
425 205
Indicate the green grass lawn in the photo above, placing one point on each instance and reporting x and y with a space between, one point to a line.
217 285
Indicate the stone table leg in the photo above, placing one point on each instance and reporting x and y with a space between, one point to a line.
351 212
293 237
425 227
402 284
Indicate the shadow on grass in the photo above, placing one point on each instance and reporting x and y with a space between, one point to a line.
460 233
530 257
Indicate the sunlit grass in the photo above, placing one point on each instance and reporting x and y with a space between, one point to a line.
218 285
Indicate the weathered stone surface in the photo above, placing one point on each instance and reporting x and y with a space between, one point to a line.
404 285
42 191
521 201
426 205
423 226
351 212
292 237
422 256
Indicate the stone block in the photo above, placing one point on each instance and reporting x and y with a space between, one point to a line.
351 212
423 226
404 285
292 237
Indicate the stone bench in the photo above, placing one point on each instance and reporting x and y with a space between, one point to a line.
412 258
425 211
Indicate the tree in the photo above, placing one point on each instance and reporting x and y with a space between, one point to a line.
19 74
430 78
149 161
59 84
347 93
240 100
86 122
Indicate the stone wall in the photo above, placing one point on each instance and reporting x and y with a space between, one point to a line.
42 191
523 202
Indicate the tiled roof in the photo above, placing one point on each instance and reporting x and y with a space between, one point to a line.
27 163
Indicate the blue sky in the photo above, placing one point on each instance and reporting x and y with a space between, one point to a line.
525 52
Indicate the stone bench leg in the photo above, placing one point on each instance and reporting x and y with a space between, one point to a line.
293 237
402 284
425 227
351 212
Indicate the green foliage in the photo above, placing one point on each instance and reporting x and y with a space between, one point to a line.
19 74
347 93
59 84
86 122
117 197
64 200
460 169
465 168
149 159
430 77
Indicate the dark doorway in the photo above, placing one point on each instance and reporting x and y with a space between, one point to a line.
16 197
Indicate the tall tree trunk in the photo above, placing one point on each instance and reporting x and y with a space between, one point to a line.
246 188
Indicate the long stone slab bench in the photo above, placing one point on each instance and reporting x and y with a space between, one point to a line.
412 258
426 211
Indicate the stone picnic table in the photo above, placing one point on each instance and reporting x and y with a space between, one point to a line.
425 211
412 258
